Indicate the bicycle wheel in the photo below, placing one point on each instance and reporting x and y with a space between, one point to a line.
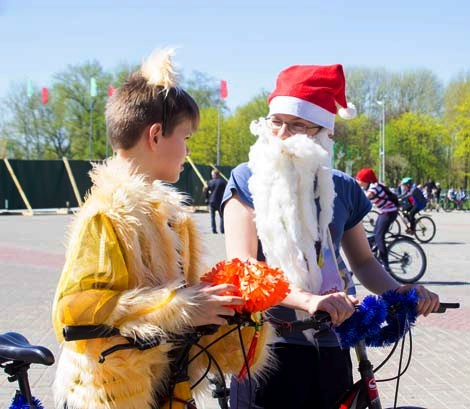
370 221
448 206
425 229
406 259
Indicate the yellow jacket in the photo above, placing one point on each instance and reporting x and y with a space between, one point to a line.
130 247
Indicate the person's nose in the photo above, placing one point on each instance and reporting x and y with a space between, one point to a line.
283 132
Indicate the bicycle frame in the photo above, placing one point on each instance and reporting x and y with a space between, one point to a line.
364 391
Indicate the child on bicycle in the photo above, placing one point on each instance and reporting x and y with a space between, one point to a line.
134 256
413 201
287 205
386 203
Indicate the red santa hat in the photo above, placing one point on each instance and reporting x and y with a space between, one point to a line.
315 93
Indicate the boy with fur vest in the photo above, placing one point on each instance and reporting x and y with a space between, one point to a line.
134 256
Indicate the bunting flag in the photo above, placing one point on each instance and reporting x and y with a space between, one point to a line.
223 89
110 91
44 95
93 88
29 89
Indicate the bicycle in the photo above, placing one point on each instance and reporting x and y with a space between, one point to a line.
378 321
406 258
425 229
16 354
16 357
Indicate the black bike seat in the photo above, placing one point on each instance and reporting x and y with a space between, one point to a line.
15 347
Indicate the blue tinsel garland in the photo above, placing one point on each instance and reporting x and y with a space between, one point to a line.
19 402
380 320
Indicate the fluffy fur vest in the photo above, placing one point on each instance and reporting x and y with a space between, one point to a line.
130 247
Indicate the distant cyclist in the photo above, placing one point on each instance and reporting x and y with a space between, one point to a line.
460 197
386 203
412 201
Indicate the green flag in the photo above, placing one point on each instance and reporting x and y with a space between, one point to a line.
93 89
29 89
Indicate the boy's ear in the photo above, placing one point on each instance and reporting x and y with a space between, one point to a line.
154 134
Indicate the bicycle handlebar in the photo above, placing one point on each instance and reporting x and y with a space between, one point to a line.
443 306
83 332
319 321
373 331
87 332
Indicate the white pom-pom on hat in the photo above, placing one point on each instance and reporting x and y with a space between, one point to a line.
349 112
257 126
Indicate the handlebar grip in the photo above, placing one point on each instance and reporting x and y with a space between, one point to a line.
443 306
81 332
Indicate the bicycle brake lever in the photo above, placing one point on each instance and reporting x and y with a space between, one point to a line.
113 349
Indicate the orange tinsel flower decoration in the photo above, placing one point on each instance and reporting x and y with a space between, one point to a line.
259 285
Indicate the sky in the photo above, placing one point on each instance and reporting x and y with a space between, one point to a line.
245 42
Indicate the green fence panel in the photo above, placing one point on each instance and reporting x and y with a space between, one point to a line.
47 186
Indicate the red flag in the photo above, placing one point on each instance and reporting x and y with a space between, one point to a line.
45 96
110 91
223 89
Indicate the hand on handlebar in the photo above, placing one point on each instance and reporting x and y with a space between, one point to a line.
214 303
428 301
339 305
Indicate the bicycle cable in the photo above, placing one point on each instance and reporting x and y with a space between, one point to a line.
400 373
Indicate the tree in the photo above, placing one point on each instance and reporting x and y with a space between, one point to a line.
203 144
457 119
29 124
417 141
205 90
357 139
84 114
236 136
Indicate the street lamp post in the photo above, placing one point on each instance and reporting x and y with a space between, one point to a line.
382 144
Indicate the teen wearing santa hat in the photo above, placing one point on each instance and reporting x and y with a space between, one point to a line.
289 207
386 202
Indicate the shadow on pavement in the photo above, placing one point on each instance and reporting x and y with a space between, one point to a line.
445 242
445 282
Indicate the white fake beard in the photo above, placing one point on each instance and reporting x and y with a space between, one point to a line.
286 214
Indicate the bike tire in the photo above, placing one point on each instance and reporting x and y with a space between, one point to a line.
425 229
448 206
370 220
406 259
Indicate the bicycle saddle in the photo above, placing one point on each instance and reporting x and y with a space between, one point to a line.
15 347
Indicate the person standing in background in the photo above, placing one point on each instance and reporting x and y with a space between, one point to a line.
215 193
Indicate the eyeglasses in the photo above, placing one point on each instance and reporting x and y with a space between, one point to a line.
293 127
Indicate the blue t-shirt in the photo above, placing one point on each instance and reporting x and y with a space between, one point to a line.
350 206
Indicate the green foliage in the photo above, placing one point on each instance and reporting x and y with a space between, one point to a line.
203 144
356 140
457 117
84 114
237 136
427 131
417 145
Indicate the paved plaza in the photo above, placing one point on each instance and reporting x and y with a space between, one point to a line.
32 253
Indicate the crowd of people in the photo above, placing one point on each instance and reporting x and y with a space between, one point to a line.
134 258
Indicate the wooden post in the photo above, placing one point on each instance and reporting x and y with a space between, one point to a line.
204 183
72 181
20 189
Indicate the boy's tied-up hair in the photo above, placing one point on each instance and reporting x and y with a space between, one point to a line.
149 95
